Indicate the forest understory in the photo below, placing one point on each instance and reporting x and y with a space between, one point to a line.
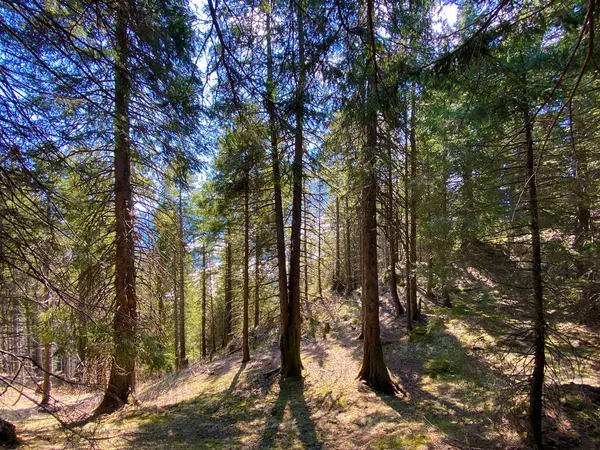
460 374
311 224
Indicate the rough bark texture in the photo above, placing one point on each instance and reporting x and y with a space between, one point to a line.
373 370
539 323
227 326
292 333
407 288
279 229
182 352
257 256
336 271
393 250
246 295
122 371
204 302
415 311
349 280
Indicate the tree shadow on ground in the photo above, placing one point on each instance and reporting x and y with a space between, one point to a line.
221 419
279 431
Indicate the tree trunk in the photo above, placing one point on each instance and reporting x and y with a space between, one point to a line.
176 315
349 280
46 383
122 372
539 324
373 370
446 245
257 257
227 326
319 280
204 302
391 225
407 287
292 333
279 226
213 337
182 353
246 296
416 313
305 253
336 271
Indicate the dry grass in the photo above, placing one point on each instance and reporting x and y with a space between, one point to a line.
462 378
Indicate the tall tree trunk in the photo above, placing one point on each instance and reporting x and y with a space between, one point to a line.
336 271
122 372
257 258
391 225
407 268
292 334
279 229
213 336
319 278
227 326
348 255
176 315
373 369
246 296
48 353
539 323
182 353
204 301
305 253
416 313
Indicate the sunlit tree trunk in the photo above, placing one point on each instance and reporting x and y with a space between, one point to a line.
257 257
416 313
203 343
227 325
182 353
391 229
279 226
246 294
292 333
373 369
122 372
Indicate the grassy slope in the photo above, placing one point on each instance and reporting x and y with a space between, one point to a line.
461 373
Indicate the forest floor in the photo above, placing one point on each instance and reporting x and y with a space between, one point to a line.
461 373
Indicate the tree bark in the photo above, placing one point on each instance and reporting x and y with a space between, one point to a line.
176 315
416 313
122 372
349 280
373 370
257 257
336 271
204 302
391 225
182 353
279 229
539 324
246 296
292 334
227 326
407 287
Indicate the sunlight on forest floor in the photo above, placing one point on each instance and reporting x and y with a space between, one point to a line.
461 373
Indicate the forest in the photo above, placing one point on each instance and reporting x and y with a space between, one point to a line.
307 224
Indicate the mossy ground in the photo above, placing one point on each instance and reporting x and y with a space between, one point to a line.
463 384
